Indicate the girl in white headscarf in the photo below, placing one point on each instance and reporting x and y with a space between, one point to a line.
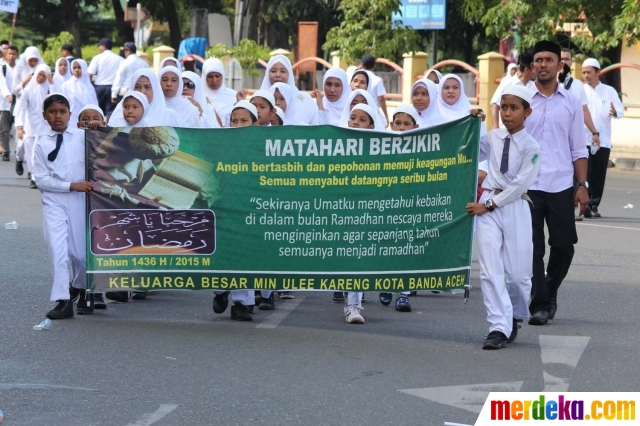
120 120
169 62
424 98
279 70
145 81
171 82
26 65
79 89
196 94
331 102
434 75
354 98
61 74
285 100
219 95
30 122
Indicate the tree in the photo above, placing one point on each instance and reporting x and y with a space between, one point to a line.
367 28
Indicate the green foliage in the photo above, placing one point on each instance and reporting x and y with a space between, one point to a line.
247 53
367 28
89 52
53 44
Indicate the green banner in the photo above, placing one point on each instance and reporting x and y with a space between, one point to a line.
281 208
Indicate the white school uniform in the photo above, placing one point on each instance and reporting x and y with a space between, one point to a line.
222 99
79 91
189 115
333 110
64 222
503 236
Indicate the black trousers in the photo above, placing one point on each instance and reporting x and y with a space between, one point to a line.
596 175
103 93
556 209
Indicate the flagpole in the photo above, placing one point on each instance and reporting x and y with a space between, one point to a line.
13 27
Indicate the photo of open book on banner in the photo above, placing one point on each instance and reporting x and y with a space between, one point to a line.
282 208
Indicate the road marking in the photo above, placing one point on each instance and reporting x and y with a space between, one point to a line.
565 350
607 226
283 309
8 386
466 397
151 418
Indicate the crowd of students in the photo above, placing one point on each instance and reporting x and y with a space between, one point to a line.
184 99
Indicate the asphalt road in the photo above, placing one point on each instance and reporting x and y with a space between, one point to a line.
169 360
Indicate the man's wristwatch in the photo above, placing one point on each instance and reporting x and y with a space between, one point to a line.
489 205
596 133
585 184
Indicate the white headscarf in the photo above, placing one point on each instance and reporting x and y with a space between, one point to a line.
79 91
158 114
371 112
165 60
60 79
346 112
370 87
209 113
308 111
189 115
350 70
409 110
93 107
436 72
290 114
431 115
333 110
117 118
35 94
23 69
222 99
458 110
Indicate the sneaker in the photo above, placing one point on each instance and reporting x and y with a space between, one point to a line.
73 293
352 315
587 213
553 309
385 298
220 302
413 293
239 312
5 156
579 218
595 214
98 301
539 318
139 295
85 303
63 310
514 331
268 303
117 296
32 184
286 295
402 304
495 340
19 168
338 296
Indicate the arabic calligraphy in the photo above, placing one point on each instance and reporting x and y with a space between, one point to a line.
124 232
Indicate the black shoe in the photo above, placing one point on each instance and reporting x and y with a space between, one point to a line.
587 213
63 310
268 303
553 309
73 293
5 156
539 318
338 296
117 296
413 293
495 340
385 298
138 295
250 308
514 331
239 312
98 301
286 295
19 168
594 213
32 184
220 302
85 303
257 297
402 304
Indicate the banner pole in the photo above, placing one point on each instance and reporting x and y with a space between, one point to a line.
13 27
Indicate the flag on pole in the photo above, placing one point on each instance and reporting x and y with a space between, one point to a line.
10 6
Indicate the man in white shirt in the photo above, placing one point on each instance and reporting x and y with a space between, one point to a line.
7 101
122 83
369 63
524 76
102 69
604 103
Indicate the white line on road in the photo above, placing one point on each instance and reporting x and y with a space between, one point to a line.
281 313
151 418
565 350
607 226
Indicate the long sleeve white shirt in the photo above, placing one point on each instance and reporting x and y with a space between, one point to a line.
104 67
69 165
125 72
6 87
600 99
524 156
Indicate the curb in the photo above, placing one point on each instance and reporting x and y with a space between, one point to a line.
629 164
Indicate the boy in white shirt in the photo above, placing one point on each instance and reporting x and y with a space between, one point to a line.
503 225
59 171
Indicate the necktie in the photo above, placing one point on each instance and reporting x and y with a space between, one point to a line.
53 154
504 163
